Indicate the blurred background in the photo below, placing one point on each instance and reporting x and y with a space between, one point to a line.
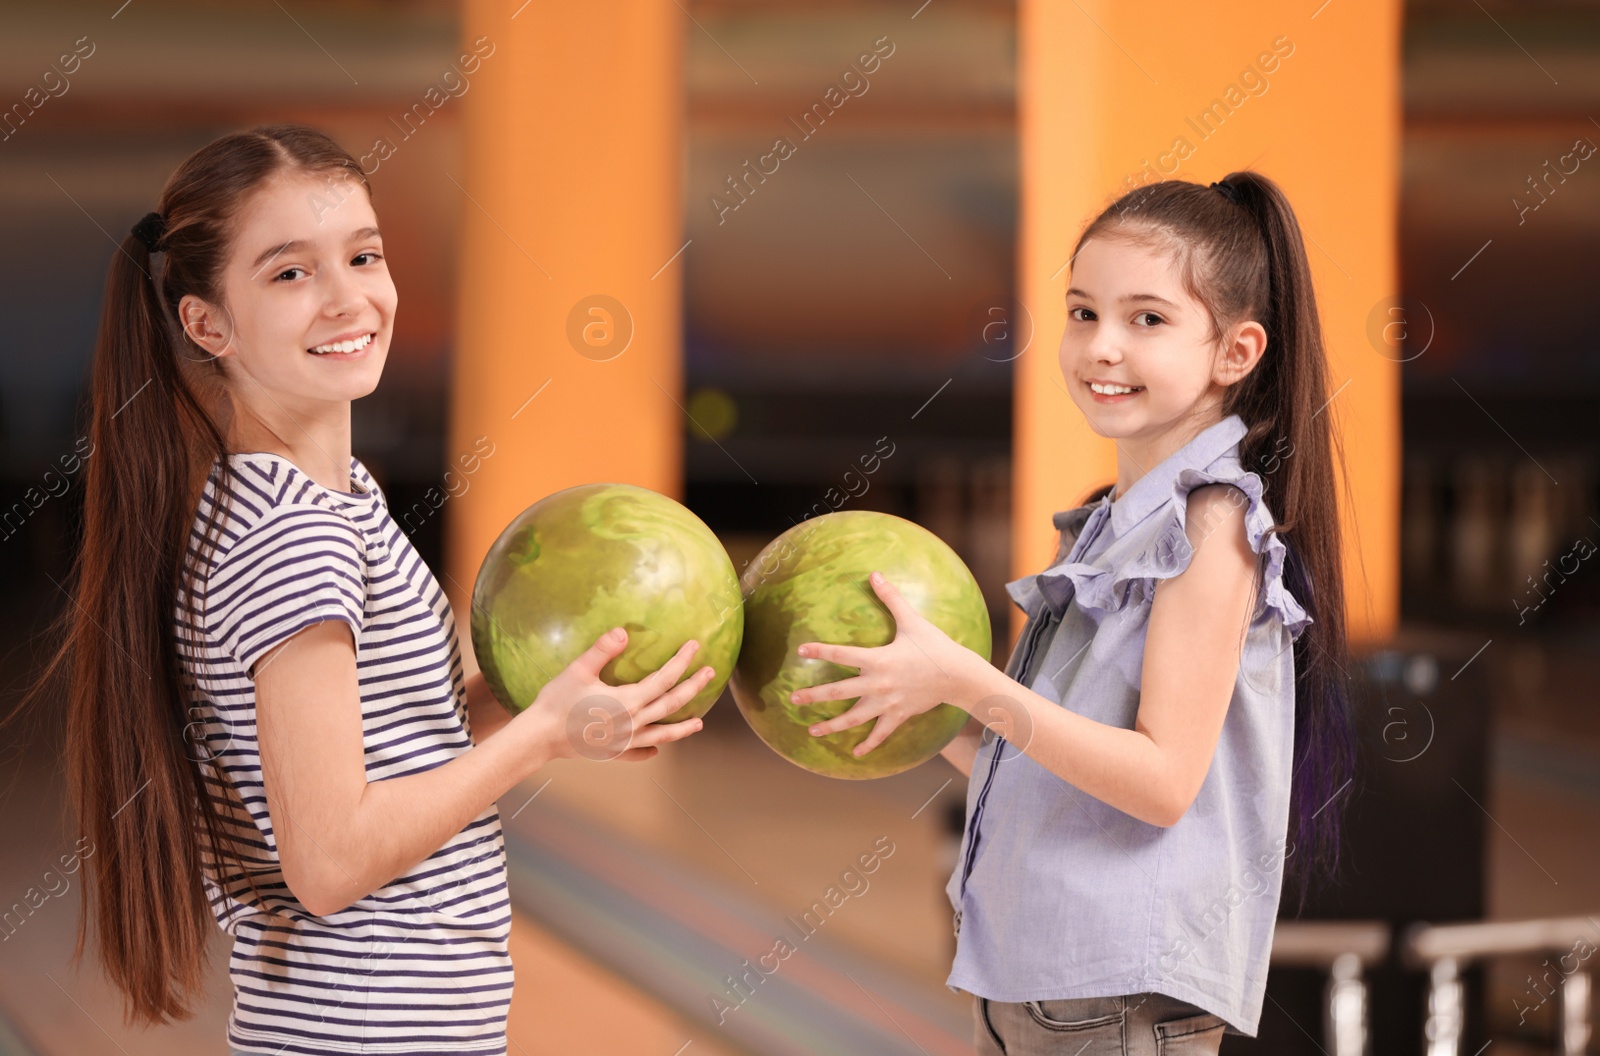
884 288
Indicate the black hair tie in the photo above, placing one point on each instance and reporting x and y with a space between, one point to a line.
1228 191
150 230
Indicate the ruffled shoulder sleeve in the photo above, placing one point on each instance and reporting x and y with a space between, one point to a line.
1105 579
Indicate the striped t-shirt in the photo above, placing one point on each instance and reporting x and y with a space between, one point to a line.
421 964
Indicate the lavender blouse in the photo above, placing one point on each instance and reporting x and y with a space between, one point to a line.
1059 895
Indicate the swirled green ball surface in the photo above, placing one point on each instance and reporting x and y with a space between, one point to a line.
584 560
810 585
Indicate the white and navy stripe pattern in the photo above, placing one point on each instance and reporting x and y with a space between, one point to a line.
420 965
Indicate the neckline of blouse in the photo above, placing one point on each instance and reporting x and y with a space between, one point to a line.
1148 492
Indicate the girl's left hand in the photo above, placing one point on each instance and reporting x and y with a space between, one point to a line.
922 668
488 716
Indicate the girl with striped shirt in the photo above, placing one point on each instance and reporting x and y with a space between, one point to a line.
269 728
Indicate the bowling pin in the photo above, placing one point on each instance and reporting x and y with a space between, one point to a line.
1420 527
1472 533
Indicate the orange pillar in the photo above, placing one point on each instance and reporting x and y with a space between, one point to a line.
1106 89
568 355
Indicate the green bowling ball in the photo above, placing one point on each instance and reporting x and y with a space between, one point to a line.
810 585
584 560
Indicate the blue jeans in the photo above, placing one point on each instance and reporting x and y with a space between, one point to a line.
1130 1025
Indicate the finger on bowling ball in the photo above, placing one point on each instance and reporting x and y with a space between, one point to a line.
664 732
842 655
854 717
826 692
669 673
880 733
604 647
682 693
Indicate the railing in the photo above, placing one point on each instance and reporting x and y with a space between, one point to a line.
1444 949
1344 949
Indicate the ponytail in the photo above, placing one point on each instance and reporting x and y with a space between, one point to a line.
1239 251
145 799
137 793
1288 402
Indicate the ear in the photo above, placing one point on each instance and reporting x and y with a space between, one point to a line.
1241 351
210 327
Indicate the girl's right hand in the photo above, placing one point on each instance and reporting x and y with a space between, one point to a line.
578 715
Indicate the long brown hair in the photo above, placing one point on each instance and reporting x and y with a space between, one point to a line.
1239 252
137 766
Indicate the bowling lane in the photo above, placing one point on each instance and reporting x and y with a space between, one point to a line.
772 983
730 884
12 1040
566 1003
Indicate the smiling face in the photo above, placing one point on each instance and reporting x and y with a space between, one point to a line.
305 271
1131 323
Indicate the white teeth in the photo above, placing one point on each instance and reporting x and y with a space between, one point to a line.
1112 390
351 345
